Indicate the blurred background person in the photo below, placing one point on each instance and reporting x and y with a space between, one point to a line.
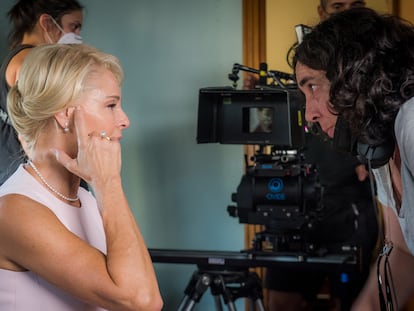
328 7
265 120
33 22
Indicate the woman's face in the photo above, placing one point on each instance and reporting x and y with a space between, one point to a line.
72 22
315 86
101 103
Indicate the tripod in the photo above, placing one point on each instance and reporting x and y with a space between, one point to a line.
226 285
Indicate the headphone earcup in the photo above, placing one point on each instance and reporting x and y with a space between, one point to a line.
378 155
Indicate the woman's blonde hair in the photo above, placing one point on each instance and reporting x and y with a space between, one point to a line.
51 78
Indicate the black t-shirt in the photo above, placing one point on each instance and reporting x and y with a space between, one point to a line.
11 154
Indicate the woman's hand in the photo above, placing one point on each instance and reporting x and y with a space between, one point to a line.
98 156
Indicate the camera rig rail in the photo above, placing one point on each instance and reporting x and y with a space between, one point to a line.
228 260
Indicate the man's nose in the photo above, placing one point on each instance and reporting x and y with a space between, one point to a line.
311 113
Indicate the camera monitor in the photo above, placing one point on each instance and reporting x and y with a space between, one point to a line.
251 117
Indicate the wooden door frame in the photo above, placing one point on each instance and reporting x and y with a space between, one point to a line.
254 32
254 53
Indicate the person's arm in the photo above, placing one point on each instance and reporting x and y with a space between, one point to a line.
32 238
128 263
401 263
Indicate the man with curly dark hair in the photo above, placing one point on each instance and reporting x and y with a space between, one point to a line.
356 70
349 218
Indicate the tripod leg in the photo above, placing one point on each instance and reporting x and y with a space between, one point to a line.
259 305
250 304
255 305
231 306
228 298
218 287
255 291
194 291
186 304
217 302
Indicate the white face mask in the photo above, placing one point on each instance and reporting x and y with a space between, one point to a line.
70 38
67 37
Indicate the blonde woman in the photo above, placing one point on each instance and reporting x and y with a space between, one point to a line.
60 247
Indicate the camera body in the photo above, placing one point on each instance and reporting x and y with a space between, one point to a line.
283 194
279 191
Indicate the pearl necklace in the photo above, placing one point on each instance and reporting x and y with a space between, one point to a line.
49 186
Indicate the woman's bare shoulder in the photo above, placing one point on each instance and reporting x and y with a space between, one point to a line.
15 204
13 68
20 220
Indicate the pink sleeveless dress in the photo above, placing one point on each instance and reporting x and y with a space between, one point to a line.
24 291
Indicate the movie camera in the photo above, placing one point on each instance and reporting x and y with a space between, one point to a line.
280 190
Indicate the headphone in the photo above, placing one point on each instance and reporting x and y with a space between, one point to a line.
375 155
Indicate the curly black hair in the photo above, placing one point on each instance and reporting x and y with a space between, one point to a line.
369 60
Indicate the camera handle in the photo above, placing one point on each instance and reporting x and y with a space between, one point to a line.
226 285
263 73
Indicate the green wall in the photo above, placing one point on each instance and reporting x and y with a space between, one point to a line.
179 191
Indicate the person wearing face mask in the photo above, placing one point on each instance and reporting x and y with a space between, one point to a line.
67 37
34 22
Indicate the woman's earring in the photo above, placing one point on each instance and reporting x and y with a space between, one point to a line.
66 128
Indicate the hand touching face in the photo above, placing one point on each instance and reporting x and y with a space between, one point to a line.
98 120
